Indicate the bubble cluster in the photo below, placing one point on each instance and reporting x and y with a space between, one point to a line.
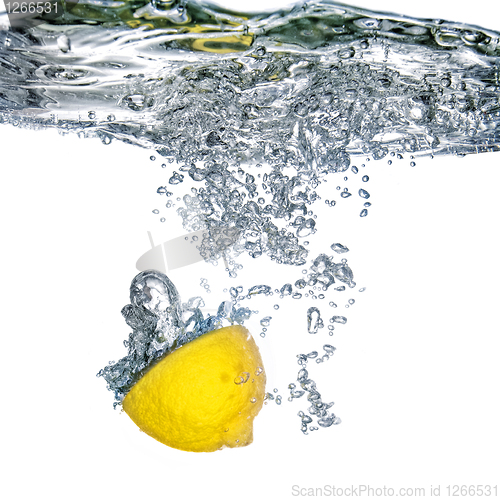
318 408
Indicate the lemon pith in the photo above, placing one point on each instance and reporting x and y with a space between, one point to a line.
204 395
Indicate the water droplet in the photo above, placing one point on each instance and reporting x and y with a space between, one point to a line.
301 109
136 102
347 53
339 319
300 283
363 193
326 421
259 370
445 82
253 400
329 349
242 378
314 321
259 289
363 213
339 248
176 177
303 375
266 321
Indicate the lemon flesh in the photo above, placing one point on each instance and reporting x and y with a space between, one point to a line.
203 396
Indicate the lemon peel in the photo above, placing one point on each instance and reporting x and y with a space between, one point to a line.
203 396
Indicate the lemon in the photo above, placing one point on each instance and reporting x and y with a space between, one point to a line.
203 396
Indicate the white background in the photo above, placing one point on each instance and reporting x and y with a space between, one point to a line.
414 379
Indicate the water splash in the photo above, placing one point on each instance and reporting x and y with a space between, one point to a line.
160 324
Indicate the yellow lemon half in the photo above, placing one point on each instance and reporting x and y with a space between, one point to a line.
204 395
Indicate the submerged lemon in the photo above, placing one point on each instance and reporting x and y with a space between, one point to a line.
204 395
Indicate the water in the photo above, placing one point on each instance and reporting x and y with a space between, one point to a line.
252 115
161 323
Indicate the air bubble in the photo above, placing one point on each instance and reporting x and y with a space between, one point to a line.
329 349
242 378
347 53
339 319
339 248
314 321
265 321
